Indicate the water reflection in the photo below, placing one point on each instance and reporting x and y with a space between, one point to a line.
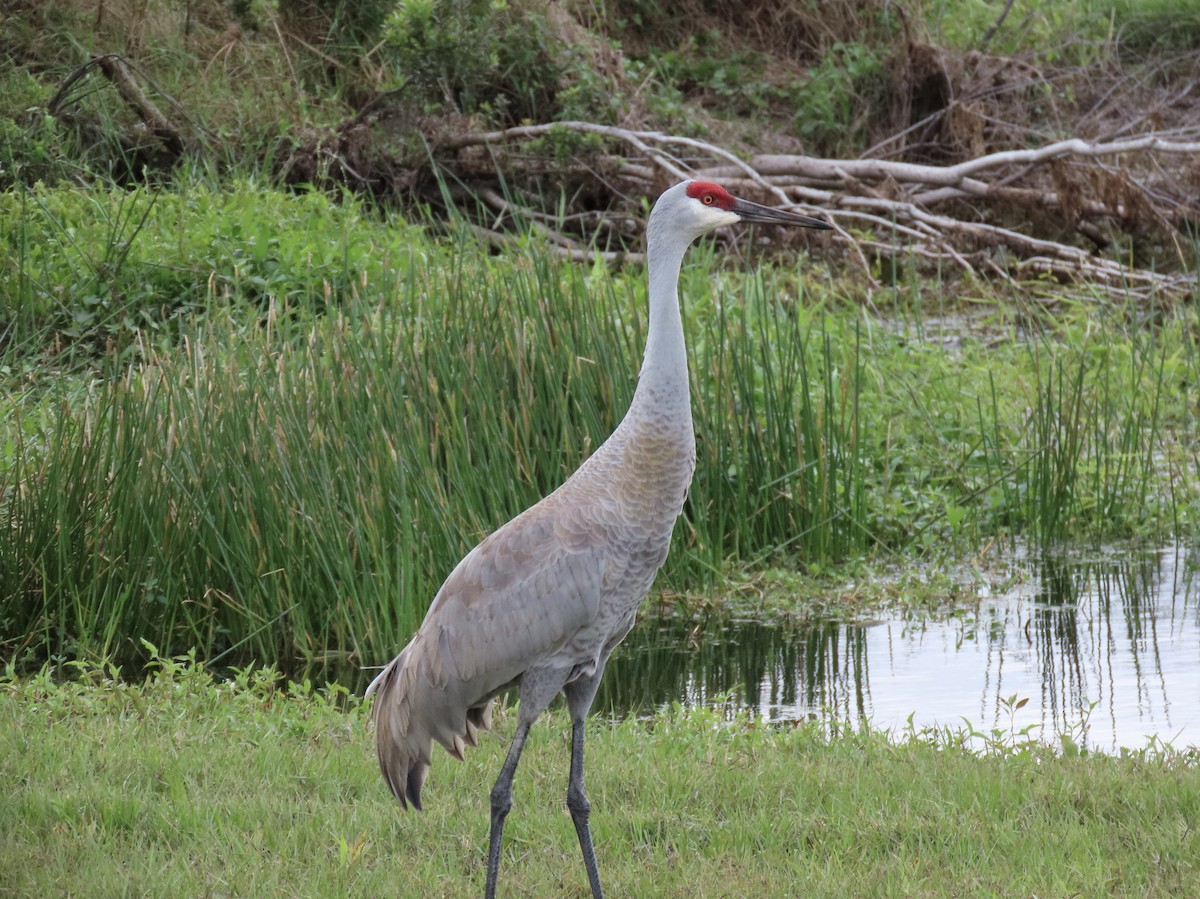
1106 649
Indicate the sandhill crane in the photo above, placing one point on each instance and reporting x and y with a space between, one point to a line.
541 603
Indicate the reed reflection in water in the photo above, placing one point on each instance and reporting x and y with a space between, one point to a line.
1105 648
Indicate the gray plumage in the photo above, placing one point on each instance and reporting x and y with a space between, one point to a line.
541 603
552 591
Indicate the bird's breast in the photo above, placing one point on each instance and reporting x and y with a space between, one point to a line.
650 482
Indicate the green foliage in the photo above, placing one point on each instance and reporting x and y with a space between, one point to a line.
704 62
342 29
441 45
824 69
120 270
253 13
1049 29
1066 32
31 145
1142 25
310 414
1056 438
846 92
490 56
234 95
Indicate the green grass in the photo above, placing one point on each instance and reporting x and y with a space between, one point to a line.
266 426
182 785
1172 25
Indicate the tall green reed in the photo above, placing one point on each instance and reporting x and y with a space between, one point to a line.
292 481
1082 456
296 489
777 408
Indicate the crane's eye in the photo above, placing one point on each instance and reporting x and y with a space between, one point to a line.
708 199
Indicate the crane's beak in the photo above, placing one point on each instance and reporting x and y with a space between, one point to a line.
767 215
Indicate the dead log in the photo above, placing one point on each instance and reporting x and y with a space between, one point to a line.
116 71
170 144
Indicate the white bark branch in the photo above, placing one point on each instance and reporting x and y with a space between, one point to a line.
890 203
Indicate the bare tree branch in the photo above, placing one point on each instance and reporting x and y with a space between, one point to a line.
890 205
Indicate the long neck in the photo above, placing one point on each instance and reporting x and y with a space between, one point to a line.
663 383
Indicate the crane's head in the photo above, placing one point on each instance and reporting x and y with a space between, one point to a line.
697 207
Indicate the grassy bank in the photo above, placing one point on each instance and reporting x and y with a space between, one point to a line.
179 785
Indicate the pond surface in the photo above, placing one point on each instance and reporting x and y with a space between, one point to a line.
1105 648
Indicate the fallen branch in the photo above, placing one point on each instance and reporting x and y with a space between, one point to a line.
890 205
115 68
118 73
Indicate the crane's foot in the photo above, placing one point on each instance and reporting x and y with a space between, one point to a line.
501 804
581 810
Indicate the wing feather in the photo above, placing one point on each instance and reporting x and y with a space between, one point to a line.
519 596
514 602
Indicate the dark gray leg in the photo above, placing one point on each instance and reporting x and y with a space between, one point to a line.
538 687
501 803
579 695
577 802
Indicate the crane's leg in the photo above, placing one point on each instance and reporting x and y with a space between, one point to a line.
579 699
538 687
581 809
502 803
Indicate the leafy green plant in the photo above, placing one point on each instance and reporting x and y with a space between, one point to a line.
483 55
845 94
111 272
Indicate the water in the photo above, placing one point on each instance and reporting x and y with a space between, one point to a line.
1105 649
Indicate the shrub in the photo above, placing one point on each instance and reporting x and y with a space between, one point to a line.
509 62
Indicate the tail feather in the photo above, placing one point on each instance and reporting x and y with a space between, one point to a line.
478 718
403 750
410 713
